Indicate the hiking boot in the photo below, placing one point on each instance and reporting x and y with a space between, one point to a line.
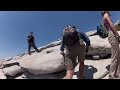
38 51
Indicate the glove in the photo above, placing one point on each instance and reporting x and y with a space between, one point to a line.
62 53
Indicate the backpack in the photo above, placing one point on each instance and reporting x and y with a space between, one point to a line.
102 30
70 35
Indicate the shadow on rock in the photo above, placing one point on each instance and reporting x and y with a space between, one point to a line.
13 77
57 75
90 57
88 73
108 68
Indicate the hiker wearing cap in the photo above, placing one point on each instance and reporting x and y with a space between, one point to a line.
75 48
31 43
113 38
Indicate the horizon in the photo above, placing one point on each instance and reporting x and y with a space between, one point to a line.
47 26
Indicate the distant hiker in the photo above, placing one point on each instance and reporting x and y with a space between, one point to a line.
31 43
75 48
114 39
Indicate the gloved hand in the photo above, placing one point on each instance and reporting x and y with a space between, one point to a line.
62 53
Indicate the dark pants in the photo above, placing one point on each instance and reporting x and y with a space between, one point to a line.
32 44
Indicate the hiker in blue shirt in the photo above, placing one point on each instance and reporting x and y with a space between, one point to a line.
83 36
74 46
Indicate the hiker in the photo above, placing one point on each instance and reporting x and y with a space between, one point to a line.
31 43
113 38
75 48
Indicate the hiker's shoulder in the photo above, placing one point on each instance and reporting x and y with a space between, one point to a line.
81 33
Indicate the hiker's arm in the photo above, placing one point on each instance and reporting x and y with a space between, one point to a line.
62 45
111 24
28 38
86 39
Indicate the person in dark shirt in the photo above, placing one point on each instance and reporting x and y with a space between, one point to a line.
77 50
31 43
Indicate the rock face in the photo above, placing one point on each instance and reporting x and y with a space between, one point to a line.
90 33
48 61
99 46
12 71
2 76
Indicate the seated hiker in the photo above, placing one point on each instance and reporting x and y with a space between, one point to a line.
75 48
31 43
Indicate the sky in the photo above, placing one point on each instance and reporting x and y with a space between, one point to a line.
47 27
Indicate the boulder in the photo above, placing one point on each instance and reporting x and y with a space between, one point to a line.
2 76
12 71
99 46
44 62
55 43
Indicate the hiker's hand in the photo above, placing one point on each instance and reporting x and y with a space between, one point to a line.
62 53
86 49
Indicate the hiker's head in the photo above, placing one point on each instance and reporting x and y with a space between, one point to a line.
104 12
68 28
31 33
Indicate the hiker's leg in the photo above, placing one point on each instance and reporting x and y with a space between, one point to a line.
29 48
115 65
70 64
81 59
34 46
69 74
81 70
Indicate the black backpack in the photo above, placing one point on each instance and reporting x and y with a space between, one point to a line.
70 36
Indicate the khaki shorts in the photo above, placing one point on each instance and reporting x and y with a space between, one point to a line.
74 53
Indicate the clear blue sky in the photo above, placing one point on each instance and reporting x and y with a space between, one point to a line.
46 25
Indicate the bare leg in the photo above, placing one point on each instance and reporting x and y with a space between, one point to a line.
69 74
81 69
